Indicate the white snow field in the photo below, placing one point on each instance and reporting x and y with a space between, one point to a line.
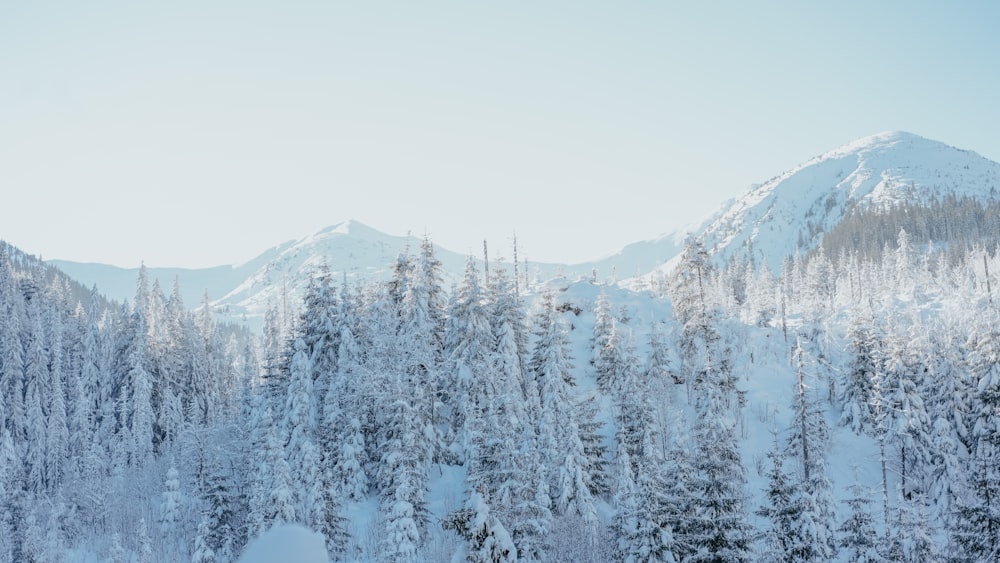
288 543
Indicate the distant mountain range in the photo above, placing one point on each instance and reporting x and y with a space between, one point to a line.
788 213
350 249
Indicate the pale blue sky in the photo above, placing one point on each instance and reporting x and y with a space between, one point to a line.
194 133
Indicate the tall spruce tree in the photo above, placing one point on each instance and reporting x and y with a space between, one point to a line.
790 535
561 449
858 538
976 529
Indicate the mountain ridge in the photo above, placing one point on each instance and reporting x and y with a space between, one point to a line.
349 249
790 212
786 214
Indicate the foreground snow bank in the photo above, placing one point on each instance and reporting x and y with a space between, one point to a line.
286 543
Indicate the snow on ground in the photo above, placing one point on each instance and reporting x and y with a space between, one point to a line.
762 359
287 543
791 211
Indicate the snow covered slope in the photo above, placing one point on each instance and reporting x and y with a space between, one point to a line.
793 210
640 257
119 283
790 212
287 542
349 249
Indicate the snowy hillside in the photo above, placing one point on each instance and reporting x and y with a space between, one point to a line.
789 213
119 283
640 257
792 211
843 411
278 274
349 249
631 410
352 249
416 407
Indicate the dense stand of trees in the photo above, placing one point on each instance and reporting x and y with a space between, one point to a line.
901 347
955 223
151 431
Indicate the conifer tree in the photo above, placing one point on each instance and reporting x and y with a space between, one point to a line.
9 488
642 523
421 347
603 323
976 530
909 421
856 388
171 505
561 449
488 540
807 444
790 535
271 345
271 499
78 424
720 531
469 343
141 388
608 360
320 332
202 551
638 430
948 395
403 478
679 494
35 379
57 429
145 547
342 438
589 426
714 527
529 515
649 535
310 490
858 538
172 369
913 540
222 532
300 419
350 479
333 526
262 468
880 428
12 360
510 337
658 364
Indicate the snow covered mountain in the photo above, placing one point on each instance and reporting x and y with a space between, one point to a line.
120 283
793 210
350 249
883 379
790 212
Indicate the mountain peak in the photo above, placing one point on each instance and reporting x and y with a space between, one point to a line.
348 227
886 137
882 142
792 211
